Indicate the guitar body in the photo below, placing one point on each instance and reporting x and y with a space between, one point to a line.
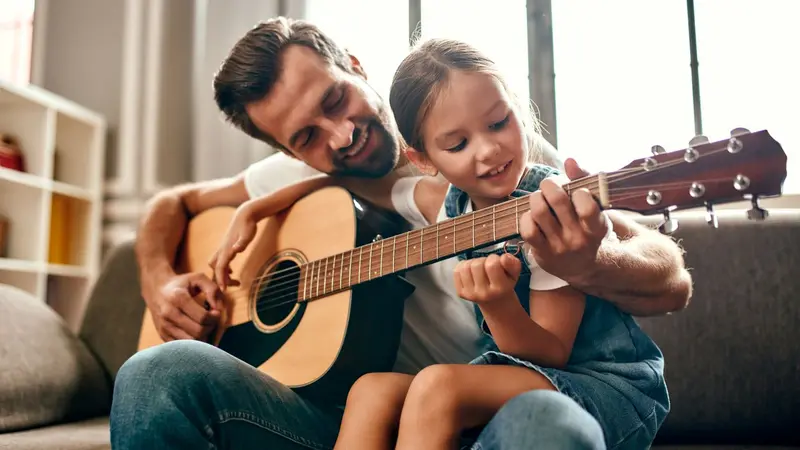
319 347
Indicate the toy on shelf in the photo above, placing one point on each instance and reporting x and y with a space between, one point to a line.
10 153
3 236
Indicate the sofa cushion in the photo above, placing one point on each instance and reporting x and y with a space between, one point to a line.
46 374
731 357
93 434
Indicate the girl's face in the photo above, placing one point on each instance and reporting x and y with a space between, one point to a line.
474 138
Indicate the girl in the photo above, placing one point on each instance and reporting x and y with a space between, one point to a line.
460 120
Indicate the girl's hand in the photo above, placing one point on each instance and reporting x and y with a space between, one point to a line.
240 233
487 279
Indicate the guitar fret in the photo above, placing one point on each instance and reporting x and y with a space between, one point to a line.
394 244
421 251
370 262
408 239
473 230
494 231
341 272
437 240
516 215
324 276
455 238
305 283
350 269
318 266
380 268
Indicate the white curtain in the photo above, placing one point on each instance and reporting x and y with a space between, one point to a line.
218 149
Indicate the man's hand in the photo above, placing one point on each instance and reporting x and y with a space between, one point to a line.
564 233
177 315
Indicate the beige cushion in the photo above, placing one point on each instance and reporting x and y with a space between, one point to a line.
47 375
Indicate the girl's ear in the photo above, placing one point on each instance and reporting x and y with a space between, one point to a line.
421 160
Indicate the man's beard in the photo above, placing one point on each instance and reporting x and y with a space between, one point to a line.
379 163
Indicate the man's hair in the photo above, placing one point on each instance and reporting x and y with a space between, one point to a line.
424 74
254 65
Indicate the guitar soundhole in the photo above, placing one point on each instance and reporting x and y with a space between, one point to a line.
277 293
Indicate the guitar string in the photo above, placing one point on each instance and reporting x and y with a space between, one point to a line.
272 302
294 271
590 182
465 226
324 277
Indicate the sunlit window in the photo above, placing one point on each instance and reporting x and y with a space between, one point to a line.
376 32
16 29
500 29
623 82
623 76
750 71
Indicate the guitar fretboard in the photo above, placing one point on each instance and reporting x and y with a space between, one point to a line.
414 248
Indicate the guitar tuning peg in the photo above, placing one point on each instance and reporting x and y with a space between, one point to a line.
739 131
698 140
668 226
711 216
756 212
657 150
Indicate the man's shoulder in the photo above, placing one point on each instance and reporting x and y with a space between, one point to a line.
274 172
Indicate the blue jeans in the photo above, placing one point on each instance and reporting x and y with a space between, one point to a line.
187 394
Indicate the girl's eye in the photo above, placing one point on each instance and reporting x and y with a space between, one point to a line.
458 147
499 125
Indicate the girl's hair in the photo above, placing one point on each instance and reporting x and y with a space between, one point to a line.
423 75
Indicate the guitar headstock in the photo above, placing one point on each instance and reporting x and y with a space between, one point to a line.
745 166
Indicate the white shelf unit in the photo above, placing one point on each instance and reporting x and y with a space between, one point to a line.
54 207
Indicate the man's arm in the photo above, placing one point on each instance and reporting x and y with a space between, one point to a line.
168 295
643 273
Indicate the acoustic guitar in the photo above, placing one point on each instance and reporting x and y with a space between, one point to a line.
321 296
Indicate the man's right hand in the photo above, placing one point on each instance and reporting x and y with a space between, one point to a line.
177 315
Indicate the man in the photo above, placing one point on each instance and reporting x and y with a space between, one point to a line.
288 84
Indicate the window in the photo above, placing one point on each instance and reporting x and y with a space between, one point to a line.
749 72
16 29
376 32
623 81
499 29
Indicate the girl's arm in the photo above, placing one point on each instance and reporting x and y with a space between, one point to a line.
546 338
242 228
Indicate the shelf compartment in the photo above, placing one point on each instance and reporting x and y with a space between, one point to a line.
27 281
76 143
22 206
70 227
30 124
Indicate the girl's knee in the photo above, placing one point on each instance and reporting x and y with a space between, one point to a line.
380 387
435 391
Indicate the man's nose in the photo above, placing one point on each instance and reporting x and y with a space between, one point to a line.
341 133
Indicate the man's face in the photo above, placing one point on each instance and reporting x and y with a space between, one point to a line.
328 118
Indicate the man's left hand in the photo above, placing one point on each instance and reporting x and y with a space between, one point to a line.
564 234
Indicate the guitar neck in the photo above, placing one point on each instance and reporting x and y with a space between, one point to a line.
423 246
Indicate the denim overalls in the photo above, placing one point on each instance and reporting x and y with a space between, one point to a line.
615 371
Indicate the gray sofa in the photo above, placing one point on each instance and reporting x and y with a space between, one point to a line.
732 357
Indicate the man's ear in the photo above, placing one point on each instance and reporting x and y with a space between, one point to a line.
421 160
357 67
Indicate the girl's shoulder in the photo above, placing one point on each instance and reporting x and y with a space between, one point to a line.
429 194
418 198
